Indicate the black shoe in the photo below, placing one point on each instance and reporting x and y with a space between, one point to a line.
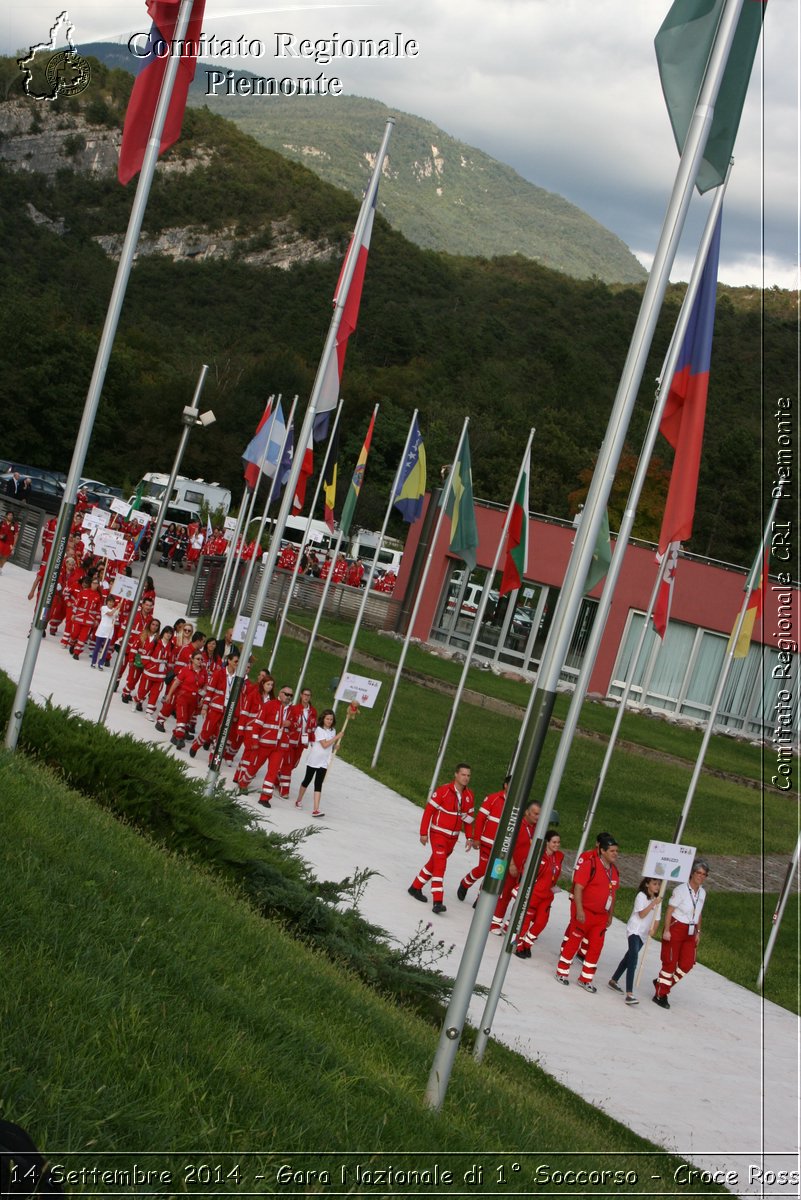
662 1001
139 707
206 745
461 891
438 907
179 743
418 894
265 803
523 952
125 699
160 727
192 751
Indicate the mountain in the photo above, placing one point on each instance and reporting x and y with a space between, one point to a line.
236 267
439 192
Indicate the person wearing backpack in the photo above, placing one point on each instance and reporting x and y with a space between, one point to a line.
595 883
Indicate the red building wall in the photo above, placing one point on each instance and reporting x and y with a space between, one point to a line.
705 594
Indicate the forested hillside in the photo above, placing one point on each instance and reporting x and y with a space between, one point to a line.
243 280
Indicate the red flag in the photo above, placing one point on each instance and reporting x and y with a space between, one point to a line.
661 613
329 391
683 419
306 469
516 560
145 94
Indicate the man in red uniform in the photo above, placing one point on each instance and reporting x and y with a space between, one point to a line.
213 706
595 883
681 932
484 830
278 713
449 810
525 836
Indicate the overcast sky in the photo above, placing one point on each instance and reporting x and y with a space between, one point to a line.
565 91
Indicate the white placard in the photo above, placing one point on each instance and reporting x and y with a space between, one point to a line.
230 524
141 518
96 518
241 626
109 544
119 506
359 688
124 586
668 861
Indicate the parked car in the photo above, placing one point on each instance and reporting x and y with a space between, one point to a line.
47 487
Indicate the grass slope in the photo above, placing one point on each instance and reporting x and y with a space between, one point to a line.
147 1008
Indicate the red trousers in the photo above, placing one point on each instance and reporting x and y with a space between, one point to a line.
678 957
536 918
279 770
480 869
594 930
442 845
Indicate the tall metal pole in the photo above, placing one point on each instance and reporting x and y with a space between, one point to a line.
418 598
190 420
479 617
374 564
792 868
329 349
556 773
67 512
751 583
309 519
533 736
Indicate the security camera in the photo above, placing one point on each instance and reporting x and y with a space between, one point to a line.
207 418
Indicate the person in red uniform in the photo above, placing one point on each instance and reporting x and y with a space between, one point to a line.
484 829
156 660
72 586
449 810
183 692
85 614
301 730
258 726
542 894
525 836
595 883
681 932
8 536
278 755
142 643
212 706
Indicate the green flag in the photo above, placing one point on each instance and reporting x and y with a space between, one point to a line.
601 556
356 481
137 500
464 534
683 45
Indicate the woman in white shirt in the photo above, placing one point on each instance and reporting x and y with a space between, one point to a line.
321 748
104 632
647 909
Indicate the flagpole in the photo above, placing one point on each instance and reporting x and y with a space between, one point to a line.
479 617
329 349
243 519
751 582
190 420
67 510
374 564
624 534
324 594
247 496
792 867
309 519
421 587
558 641
274 483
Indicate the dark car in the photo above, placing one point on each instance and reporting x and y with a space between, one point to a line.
46 490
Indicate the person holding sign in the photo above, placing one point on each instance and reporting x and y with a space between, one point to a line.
646 912
323 741
681 933
595 883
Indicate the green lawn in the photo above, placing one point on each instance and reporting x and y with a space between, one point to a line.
145 1007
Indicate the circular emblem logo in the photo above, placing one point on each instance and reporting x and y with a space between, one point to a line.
68 73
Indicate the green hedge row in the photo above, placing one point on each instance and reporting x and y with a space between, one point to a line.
152 792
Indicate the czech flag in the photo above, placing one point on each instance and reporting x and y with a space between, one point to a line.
146 89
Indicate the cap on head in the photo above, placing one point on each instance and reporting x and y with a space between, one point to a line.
606 841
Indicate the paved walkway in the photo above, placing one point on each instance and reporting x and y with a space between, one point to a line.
715 1079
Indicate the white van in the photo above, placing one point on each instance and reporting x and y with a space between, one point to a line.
187 498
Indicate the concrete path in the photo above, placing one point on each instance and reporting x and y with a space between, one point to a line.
715 1079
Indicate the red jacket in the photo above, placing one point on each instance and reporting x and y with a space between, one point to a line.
548 873
303 722
600 883
487 819
446 812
